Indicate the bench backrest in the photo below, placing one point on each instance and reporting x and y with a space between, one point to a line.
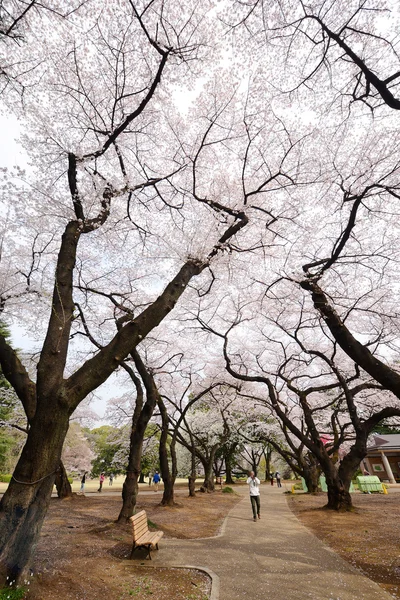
139 524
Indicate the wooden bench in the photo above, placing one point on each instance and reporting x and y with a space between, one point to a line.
142 537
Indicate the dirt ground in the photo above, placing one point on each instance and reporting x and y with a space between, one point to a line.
368 537
84 555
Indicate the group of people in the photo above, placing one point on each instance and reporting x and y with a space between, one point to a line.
155 479
101 481
254 487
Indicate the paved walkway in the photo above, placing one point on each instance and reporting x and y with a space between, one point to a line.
276 558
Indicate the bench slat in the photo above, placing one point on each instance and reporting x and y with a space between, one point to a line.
152 539
138 534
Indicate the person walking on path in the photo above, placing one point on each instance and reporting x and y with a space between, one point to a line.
156 481
83 481
254 484
110 482
150 479
101 481
278 479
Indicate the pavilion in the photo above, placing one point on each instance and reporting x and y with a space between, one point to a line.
383 457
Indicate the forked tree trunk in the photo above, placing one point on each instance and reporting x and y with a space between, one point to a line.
26 500
339 497
63 486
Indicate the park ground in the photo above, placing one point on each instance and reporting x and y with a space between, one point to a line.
367 537
83 553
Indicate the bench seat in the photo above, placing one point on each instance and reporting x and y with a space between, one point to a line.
142 537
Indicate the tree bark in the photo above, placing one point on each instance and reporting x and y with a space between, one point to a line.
166 474
208 483
26 500
140 421
311 477
64 489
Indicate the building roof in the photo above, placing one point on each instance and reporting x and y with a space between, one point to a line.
385 442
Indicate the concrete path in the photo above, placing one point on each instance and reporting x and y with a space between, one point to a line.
275 558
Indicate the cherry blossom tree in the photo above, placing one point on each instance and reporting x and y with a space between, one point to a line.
87 139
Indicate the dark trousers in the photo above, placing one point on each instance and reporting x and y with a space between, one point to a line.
255 505
278 483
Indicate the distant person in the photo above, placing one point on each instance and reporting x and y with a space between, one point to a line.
101 481
150 478
278 479
253 482
271 478
111 479
156 480
83 481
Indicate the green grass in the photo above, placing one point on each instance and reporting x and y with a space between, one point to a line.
151 524
5 478
12 594
228 490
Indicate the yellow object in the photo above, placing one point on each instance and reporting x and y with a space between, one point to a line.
384 488
294 491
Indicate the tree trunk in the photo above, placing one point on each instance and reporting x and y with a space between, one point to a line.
26 500
193 474
228 457
267 456
311 476
192 486
208 483
64 489
140 421
338 498
141 477
129 493
167 476
228 473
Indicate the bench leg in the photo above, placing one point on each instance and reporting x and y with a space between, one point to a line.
133 552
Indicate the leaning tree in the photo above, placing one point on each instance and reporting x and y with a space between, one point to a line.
85 202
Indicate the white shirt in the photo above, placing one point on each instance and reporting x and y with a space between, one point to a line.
254 483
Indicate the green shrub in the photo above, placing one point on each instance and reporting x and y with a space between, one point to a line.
12 594
227 490
5 479
71 480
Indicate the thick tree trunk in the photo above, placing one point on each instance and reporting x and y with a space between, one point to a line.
26 500
64 489
208 483
141 477
339 499
311 477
